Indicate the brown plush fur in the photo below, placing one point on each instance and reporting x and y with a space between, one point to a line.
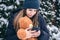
24 23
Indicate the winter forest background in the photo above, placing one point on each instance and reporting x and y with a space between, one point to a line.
49 9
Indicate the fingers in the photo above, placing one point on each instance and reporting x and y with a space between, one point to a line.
36 34
28 34
33 31
27 29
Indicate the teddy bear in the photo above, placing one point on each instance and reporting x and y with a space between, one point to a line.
24 22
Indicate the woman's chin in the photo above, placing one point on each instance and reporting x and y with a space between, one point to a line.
30 16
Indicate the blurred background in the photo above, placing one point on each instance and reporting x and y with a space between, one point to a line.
49 9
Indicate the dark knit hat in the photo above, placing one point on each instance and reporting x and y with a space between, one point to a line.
31 4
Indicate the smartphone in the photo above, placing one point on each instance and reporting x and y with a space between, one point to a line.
36 28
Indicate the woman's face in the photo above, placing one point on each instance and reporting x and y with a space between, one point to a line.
31 12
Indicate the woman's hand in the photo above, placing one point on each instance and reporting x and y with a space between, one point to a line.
35 34
28 33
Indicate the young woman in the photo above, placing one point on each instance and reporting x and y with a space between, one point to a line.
31 10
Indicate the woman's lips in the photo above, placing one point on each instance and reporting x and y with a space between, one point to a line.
30 15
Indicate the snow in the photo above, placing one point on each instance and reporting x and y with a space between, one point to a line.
52 28
43 2
17 1
0 0
56 36
10 7
46 13
1 38
3 6
59 1
59 14
54 0
54 31
7 14
15 7
3 21
58 18
43 9
52 12
59 10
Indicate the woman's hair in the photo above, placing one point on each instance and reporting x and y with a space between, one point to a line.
22 13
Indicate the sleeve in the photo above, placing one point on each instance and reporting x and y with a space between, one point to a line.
44 31
10 32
